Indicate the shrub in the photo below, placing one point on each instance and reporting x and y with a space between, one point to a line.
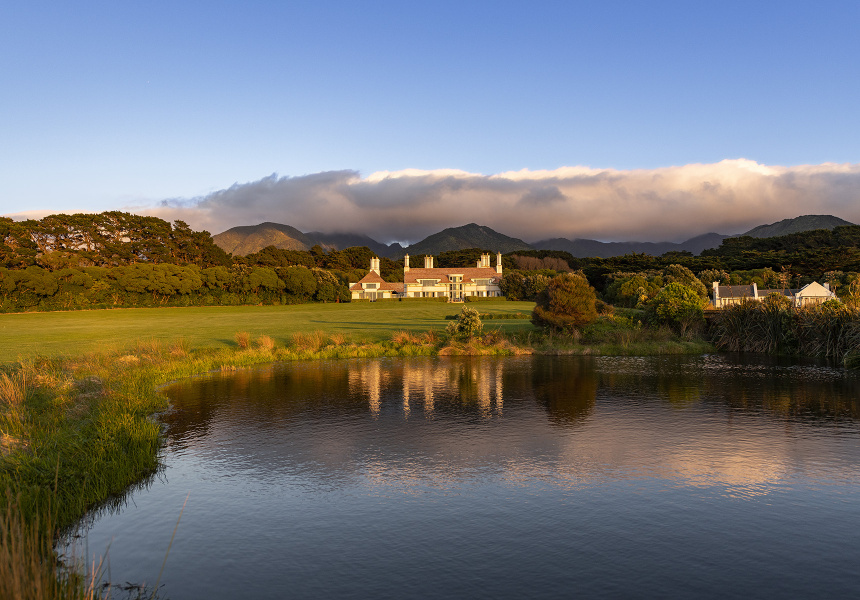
678 306
567 303
467 325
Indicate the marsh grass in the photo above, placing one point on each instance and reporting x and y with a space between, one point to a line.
27 571
830 330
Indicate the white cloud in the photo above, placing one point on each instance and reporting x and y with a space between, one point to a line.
671 203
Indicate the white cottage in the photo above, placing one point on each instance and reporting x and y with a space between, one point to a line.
373 287
811 293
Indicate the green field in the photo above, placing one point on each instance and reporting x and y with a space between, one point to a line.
56 334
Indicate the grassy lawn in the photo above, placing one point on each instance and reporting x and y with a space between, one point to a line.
56 334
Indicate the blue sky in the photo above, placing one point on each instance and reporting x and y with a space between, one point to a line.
115 104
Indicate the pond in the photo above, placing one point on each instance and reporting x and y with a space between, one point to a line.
482 477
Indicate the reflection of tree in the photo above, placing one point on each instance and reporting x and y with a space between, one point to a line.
679 390
566 387
796 396
279 393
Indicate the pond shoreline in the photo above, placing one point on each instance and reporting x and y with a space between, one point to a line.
82 430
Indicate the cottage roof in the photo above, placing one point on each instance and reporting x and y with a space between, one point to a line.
468 273
816 290
736 291
765 293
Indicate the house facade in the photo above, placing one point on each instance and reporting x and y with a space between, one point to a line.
810 294
454 283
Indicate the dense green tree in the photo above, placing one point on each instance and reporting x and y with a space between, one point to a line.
677 305
567 303
299 283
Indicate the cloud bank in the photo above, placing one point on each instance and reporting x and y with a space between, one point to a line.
672 203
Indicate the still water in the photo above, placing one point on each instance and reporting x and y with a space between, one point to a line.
540 477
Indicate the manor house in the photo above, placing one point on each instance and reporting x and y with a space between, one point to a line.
455 283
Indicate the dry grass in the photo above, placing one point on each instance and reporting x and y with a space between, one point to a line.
180 348
265 343
28 570
148 349
308 342
401 338
338 339
243 339
13 390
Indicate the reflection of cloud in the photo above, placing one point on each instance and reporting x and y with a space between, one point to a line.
658 204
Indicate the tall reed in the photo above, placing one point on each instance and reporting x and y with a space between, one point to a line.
775 326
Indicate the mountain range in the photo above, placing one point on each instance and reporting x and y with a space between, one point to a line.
244 240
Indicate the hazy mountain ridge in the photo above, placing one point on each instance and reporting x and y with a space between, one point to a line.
244 240
582 248
797 225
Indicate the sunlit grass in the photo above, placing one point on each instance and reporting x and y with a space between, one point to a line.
69 334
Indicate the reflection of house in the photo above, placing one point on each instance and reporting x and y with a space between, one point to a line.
811 293
455 283
373 287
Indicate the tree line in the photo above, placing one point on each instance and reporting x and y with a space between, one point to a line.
64 262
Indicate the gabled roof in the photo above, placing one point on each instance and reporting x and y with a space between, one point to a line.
815 289
374 277
468 273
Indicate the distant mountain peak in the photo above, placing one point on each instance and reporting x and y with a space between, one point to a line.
797 225
467 236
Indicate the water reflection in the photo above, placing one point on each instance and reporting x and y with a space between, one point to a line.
370 478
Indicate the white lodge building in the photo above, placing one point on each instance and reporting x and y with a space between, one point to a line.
453 283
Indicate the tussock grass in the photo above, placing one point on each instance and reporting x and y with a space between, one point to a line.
265 343
243 339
